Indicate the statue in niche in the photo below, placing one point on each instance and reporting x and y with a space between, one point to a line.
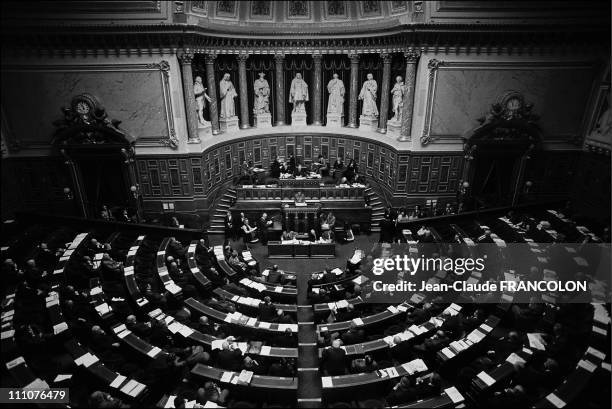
371 7
227 93
260 8
261 105
298 8
335 104
397 97
335 8
201 97
368 95
298 95
226 7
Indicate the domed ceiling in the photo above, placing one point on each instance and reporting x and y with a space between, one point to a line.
300 17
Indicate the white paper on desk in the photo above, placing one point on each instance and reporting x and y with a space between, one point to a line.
265 350
118 381
326 382
37 384
555 400
514 358
486 328
89 360
15 362
175 327
447 353
475 336
59 328
8 334
153 352
337 271
587 365
392 372
124 334
392 309
251 322
596 353
62 377
278 289
331 305
216 344
454 395
417 365
263 324
127 388
358 321
536 341
486 378
226 377
95 290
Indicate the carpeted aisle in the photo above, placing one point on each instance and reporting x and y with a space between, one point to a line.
309 393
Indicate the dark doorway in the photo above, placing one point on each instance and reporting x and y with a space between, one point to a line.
494 179
104 182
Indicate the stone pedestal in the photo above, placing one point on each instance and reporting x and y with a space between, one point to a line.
335 121
204 130
394 128
298 119
229 124
263 121
368 123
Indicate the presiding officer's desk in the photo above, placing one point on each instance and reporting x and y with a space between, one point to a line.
300 249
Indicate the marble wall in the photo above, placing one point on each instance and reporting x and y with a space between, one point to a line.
144 93
465 92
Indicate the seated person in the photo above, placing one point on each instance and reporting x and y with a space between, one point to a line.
338 164
330 220
299 197
275 276
365 364
327 236
249 232
321 166
402 217
290 165
288 235
235 262
343 181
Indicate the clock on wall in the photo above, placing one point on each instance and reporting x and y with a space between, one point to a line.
85 105
512 103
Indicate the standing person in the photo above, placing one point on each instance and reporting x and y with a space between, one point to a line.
262 227
249 232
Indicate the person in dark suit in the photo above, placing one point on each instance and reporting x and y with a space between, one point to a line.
267 310
228 223
299 197
275 276
334 359
263 223
139 328
275 168
291 164
229 358
353 335
282 318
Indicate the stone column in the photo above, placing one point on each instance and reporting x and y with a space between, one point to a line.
279 60
317 89
191 110
212 92
354 92
384 93
244 95
408 103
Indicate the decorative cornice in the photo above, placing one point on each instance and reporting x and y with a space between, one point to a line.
96 39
